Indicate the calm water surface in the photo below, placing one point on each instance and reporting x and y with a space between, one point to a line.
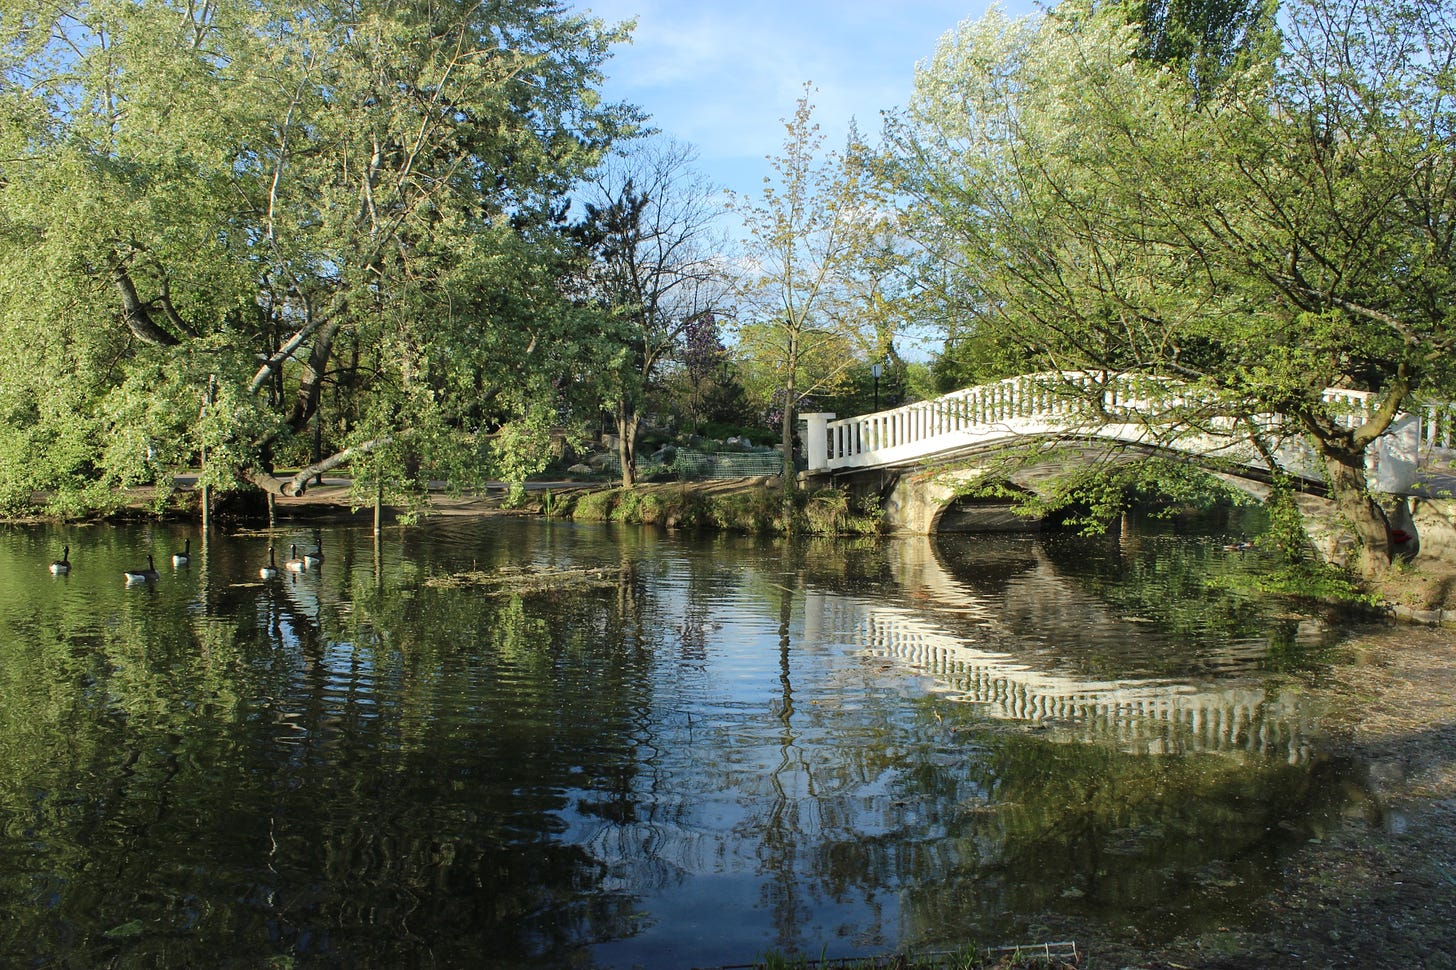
705 749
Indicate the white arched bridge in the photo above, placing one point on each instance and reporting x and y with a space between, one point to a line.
921 455
1129 409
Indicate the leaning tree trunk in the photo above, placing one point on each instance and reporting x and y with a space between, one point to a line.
1350 491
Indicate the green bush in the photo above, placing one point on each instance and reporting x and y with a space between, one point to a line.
757 510
595 506
830 512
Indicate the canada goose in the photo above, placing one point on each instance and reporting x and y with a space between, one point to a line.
315 557
270 570
293 563
142 575
185 556
62 565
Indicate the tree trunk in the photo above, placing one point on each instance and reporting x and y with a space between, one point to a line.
789 475
135 313
310 384
1348 488
790 400
627 421
790 479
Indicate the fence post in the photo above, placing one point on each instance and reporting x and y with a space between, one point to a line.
816 439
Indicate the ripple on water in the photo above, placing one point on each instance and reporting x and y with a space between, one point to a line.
737 745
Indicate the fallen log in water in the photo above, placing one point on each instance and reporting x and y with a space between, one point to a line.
509 580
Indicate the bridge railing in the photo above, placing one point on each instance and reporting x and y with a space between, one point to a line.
1128 407
1028 396
1438 427
1147 715
1025 404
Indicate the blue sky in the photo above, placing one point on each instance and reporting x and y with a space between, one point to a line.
722 75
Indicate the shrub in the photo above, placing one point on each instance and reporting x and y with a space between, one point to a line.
596 506
831 512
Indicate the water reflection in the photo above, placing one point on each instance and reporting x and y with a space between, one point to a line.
730 746
1024 605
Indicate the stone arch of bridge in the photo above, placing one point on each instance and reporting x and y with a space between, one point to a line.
924 499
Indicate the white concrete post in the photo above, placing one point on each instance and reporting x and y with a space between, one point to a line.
816 439
1396 455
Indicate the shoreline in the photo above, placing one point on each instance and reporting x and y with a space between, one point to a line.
1379 890
1422 597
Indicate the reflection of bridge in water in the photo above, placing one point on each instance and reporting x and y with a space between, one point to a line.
1152 715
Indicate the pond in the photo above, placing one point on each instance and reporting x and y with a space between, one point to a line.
663 751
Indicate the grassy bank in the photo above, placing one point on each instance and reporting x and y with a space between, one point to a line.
756 506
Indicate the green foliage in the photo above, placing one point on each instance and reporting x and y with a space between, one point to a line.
1317 581
521 449
831 512
1205 39
595 506
1284 534
227 229
1246 212
1092 497
758 510
1299 574
817 256
653 275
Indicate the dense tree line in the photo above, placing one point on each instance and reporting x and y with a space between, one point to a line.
230 233
397 237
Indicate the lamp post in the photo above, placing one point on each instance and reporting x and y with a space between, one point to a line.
876 370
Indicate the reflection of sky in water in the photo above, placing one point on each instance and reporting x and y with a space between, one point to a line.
737 747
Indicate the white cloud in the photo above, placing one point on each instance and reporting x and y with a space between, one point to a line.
722 74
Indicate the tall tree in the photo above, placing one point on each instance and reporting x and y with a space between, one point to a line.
1289 232
809 236
336 217
656 266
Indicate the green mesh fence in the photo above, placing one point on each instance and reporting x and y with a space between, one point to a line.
698 465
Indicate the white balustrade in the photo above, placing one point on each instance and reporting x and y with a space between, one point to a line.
1057 403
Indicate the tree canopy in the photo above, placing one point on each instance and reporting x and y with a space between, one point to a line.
227 231
656 268
1260 239
813 255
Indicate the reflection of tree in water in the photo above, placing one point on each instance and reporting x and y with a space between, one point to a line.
791 786
260 745
503 781
1118 605
692 633
984 834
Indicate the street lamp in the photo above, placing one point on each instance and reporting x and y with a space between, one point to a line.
876 370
